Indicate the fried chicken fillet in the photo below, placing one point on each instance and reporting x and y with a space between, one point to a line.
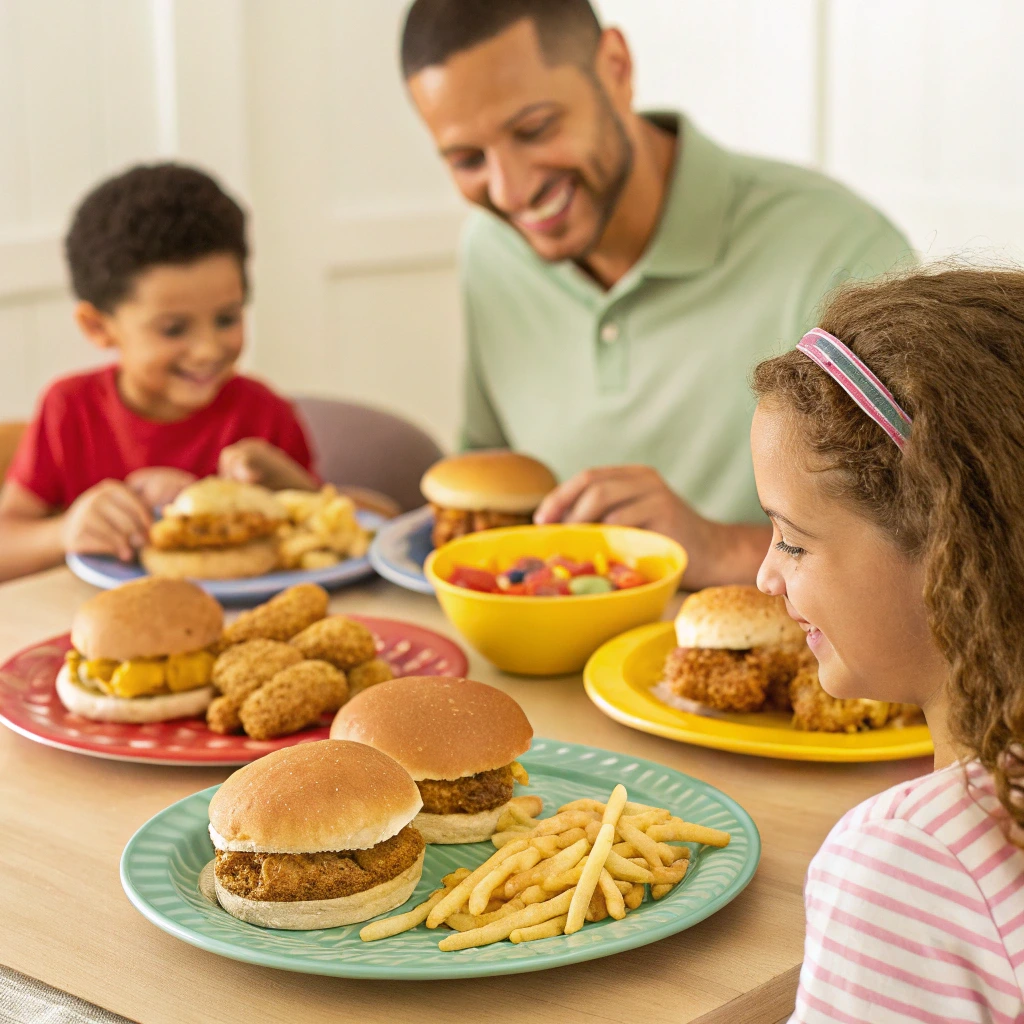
280 877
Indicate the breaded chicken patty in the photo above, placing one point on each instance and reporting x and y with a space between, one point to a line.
817 711
282 617
450 523
207 530
286 877
475 793
723 680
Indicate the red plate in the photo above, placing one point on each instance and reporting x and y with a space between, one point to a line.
29 705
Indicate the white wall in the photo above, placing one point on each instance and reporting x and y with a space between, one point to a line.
298 107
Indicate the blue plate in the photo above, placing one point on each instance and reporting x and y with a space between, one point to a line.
161 864
106 573
401 547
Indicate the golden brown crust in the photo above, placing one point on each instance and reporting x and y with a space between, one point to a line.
147 618
285 877
244 668
722 680
438 727
324 795
211 530
481 792
370 673
817 711
451 523
282 617
295 698
338 640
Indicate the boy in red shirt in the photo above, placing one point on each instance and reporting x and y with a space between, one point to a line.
158 262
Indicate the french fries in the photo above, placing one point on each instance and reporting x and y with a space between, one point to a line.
550 876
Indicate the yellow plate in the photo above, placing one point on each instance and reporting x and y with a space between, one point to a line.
619 677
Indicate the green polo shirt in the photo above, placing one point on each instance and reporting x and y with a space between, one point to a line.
656 369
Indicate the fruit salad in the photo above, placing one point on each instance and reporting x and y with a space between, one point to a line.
557 577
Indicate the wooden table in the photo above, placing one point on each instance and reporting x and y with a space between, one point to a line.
65 818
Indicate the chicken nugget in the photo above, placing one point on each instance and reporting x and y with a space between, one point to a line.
339 640
294 699
370 673
318 560
244 668
281 617
222 715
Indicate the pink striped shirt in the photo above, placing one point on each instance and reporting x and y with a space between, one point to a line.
915 910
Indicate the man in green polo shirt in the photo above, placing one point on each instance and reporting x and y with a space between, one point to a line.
627 273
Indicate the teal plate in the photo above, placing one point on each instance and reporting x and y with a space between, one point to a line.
160 870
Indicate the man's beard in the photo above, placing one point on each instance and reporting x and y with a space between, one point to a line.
608 174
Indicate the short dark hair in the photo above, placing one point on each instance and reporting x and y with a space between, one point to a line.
150 214
436 29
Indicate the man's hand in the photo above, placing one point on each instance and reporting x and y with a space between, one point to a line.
157 486
255 461
638 496
107 519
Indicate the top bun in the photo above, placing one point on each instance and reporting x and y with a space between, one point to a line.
214 496
735 619
497 481
314 797
437 727
147 618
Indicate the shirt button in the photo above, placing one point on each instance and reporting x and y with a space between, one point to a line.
610 333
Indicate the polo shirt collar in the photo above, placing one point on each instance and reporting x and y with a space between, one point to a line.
691 231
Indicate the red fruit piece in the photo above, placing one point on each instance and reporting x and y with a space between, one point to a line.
474 579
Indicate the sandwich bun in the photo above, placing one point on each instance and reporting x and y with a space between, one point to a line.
327 795
493 480
147 618
256 558
216 496
437 727
443 829
735 618
100 707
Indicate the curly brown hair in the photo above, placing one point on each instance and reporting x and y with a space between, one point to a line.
949 344
151 214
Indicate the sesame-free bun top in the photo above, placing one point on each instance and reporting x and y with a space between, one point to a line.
735 618
147 618
314 797
437 727
214 496
497 481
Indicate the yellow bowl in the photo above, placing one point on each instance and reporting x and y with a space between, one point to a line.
549 636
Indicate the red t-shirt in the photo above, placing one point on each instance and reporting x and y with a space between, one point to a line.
84 433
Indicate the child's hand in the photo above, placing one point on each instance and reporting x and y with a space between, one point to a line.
157 486
107 519
255 461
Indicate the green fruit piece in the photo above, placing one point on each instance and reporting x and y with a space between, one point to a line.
590 585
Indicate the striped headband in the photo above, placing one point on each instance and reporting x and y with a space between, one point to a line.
858 382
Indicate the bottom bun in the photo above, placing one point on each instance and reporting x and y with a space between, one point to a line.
305 915
254 559
444 829
135 710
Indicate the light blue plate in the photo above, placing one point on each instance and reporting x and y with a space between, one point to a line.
106 573
161 864
401 547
